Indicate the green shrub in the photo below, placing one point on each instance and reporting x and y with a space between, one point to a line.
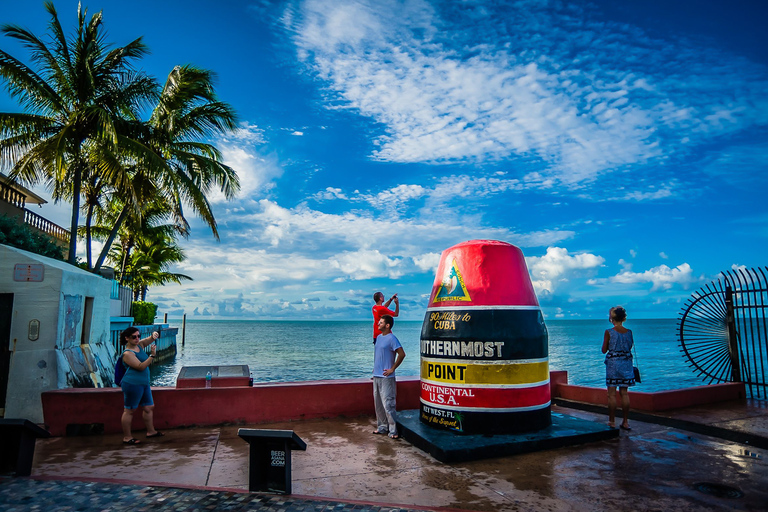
143 313
23 237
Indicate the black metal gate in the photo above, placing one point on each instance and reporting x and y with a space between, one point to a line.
723 330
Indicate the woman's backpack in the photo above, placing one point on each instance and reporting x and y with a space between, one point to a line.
119 370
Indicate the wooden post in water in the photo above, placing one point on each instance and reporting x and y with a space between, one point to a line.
183 328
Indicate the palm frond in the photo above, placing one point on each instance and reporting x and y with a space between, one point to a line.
28 88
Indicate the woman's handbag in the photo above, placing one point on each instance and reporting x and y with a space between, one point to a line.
635 368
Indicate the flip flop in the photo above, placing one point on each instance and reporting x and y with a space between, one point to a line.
394 436
132 441
378 432
625 428
156 434
611 425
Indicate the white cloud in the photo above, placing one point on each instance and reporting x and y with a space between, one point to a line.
625 265
465 84
661 277
390 199
246 134
663 255
304 229
428 261
256 171
366 264
650 195
558 266
435 200
328 194
273 249
738 165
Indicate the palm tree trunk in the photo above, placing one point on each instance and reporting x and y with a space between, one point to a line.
127 247
76 186
112 235
88 218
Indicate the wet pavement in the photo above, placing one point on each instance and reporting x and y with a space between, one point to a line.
653 467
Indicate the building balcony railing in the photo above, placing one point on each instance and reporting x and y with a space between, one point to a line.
46 226
13 196
15 207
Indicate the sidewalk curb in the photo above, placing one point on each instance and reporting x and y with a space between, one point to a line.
689 426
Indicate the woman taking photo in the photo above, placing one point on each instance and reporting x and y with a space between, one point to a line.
617 347
135 383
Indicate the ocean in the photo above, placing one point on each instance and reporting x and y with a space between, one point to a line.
289 351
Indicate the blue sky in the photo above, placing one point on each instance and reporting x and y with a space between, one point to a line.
621 145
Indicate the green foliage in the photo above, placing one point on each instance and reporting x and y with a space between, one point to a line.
81 133
143 313
78 94
183 168
23 237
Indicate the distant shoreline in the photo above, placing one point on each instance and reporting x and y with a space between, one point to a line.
546 320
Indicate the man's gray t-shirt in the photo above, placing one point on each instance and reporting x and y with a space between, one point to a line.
384 354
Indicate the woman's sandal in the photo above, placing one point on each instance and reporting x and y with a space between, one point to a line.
394 436
132 441
627 427
378 432
611 424
156 434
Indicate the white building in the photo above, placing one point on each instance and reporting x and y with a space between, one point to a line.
54 330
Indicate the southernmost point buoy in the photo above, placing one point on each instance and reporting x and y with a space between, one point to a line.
484 345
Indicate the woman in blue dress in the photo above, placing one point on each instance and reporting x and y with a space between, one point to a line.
135 383
619 372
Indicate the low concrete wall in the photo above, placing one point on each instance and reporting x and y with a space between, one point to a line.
261 403
286 401
659 401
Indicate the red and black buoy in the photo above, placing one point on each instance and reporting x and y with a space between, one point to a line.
484 345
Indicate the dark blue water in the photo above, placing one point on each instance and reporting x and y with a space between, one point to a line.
279 351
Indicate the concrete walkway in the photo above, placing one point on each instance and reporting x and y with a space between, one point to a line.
659 465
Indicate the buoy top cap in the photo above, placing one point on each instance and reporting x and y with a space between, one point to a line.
480 242
482 273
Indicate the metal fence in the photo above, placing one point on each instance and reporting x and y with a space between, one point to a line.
166 343
723 330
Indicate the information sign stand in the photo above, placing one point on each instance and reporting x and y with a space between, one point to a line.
269 466
17 445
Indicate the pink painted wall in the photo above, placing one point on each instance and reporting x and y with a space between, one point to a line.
264 403
659 401
218 405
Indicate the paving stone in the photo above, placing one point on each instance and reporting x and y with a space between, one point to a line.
25 494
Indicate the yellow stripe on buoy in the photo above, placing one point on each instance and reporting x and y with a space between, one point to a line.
474 373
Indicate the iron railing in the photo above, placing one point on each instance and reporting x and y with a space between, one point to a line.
749 291
166 343
723 330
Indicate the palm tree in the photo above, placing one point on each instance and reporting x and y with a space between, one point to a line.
150 223
181 168
75 103
146 262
